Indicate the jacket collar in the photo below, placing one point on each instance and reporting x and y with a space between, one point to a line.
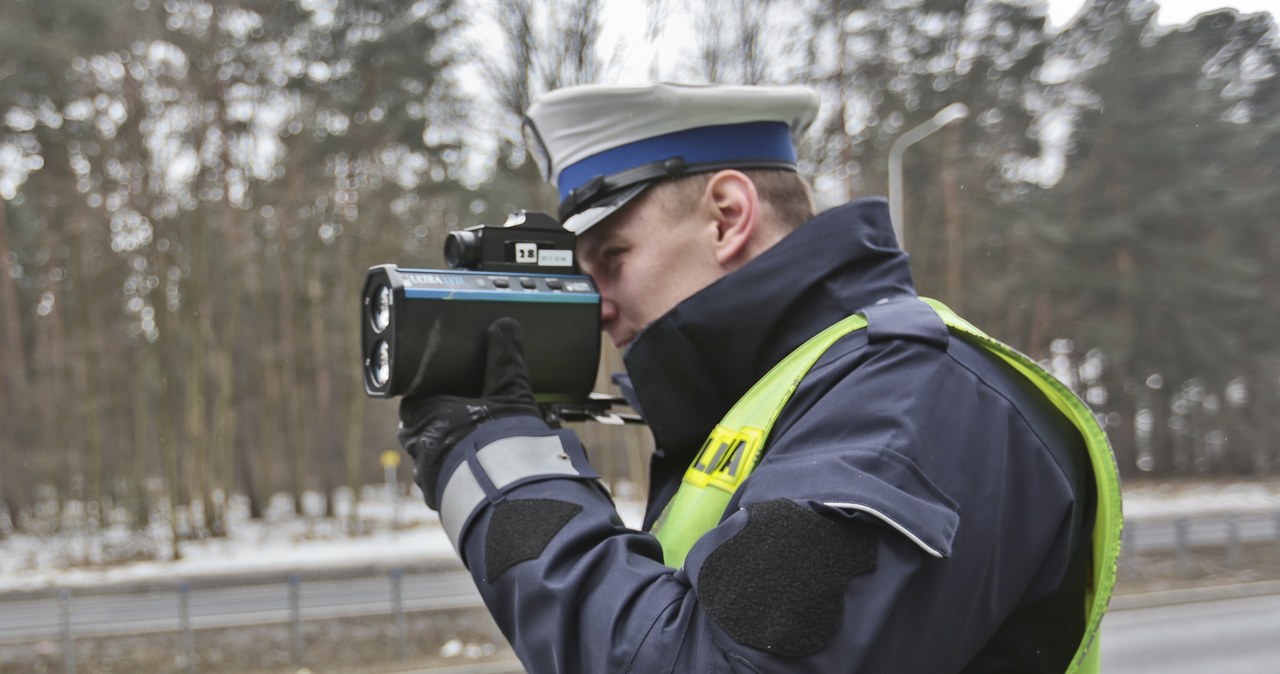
692 364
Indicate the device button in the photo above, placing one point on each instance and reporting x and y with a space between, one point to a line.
528 283
501 282
553 283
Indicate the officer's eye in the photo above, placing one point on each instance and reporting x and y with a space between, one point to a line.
611 256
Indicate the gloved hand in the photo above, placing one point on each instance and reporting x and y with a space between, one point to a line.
431 426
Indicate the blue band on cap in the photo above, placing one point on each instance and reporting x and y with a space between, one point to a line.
749 142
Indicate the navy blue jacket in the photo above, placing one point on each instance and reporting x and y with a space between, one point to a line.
918 508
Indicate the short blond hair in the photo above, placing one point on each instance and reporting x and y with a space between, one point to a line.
786 196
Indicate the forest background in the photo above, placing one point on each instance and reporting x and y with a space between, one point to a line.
192 192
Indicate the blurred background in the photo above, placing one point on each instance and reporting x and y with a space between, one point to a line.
191 193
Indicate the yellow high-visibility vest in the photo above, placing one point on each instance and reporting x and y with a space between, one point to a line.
734 447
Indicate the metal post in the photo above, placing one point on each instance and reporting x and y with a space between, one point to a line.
184 617
68 641
1127 549
295 619
390 459
943 117
397 611
394 490
1183 547
1278 533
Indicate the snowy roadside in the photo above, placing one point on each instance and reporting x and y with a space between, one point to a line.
407 534
1158 500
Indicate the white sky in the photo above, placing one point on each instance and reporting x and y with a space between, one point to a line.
643 58
625 23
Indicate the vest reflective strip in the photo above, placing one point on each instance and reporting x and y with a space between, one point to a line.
1108 523
733 450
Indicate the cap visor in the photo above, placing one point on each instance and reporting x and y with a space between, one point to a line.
588 218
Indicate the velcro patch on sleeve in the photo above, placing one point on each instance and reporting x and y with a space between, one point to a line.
778 584
520 530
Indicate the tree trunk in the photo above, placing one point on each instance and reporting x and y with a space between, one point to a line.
56 436
1169 451
1120 428
291 419
90 384
195 432
327 449
143 407
273 431
15 389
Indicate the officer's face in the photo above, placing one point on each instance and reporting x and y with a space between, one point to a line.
645 259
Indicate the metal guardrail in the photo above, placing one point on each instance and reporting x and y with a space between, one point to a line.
317 599
178 608
1183 536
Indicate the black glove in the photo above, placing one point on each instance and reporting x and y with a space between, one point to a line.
430 427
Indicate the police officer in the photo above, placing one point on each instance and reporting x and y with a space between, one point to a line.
848 478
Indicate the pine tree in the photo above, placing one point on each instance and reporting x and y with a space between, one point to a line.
1146 256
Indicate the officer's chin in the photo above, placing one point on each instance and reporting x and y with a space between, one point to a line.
621 340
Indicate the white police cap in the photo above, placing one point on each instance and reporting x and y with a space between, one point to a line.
602 145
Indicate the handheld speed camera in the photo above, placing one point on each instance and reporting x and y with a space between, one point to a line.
424 330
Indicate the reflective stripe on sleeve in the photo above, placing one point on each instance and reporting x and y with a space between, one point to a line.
505 462
461 496
891 522
512 459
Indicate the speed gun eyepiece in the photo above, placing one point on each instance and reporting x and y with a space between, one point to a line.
462 249
526 242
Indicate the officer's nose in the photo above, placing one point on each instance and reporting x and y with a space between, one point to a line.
608 312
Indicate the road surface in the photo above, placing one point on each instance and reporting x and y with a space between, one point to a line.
1239 635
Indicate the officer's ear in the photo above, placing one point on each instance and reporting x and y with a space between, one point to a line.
735 209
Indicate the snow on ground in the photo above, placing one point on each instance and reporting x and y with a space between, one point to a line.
1167 500
391 533
404 532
